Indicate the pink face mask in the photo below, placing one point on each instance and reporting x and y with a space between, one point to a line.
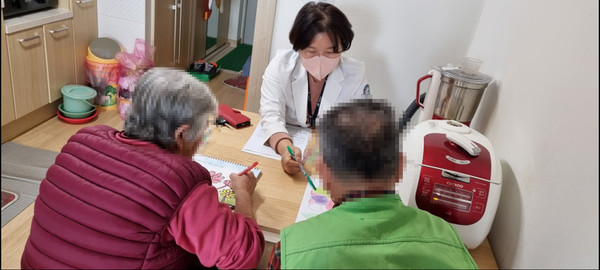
320 66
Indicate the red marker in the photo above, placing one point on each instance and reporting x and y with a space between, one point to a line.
248 169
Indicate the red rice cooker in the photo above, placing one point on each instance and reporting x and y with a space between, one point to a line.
452 172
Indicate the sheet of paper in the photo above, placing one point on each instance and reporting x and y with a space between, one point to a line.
314 202
254 145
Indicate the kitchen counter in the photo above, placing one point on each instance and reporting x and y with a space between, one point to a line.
19 23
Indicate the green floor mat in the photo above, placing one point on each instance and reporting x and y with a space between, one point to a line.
210 41
235 59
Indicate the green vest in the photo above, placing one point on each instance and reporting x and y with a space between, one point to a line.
373 233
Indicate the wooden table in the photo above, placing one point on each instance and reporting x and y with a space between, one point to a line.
276 199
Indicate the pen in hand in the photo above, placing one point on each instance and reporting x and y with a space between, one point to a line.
291 153
248 169
302 168
307 177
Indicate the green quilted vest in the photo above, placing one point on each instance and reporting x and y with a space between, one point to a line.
373 233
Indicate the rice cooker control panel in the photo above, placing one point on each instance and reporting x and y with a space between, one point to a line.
453 184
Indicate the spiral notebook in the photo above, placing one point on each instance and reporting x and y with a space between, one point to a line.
219 173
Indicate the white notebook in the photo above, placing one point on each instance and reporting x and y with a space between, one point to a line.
219 173
300 136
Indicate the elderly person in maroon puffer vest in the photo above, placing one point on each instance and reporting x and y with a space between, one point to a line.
136 199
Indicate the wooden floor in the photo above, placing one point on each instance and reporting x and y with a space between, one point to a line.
225 94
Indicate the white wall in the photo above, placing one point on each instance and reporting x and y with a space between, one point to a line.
122 20
237 18
249 20
235 22
542 118
399 41
241 21
212 25
541 113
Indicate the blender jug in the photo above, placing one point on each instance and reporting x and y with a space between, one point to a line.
454 92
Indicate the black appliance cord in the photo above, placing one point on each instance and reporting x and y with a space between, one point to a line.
410 111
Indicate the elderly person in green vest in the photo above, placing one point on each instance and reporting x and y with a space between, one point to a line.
370 227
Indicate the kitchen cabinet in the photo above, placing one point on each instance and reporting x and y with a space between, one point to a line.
8 106
27 60
41 63
173 24
60 56
85 30
42 52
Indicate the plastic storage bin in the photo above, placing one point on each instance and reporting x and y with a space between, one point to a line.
103 70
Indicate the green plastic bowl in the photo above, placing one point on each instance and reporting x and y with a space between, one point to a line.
78 98
77 115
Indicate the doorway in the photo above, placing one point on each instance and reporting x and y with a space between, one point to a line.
258 15
234 58
225 26
217 25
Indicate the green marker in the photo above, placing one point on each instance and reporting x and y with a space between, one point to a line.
291 153
302 168
308 178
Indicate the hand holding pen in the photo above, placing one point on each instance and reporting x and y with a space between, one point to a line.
302 169
243 185
289 163
244 181
245 171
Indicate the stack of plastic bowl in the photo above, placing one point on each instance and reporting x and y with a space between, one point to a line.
78 103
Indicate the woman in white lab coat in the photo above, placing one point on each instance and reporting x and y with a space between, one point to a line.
302 84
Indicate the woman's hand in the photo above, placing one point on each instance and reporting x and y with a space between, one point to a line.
243 184
288 163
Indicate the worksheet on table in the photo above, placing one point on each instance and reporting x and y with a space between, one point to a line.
314 202
255 144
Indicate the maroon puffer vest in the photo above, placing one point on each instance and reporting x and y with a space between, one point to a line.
107 204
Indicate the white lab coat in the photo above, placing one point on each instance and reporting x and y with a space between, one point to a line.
284 91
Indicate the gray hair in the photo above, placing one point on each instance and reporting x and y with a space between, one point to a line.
360 140
165 99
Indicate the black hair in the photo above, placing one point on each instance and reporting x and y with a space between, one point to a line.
360 140
314 18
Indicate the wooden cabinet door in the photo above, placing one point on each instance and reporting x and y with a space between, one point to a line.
165 36
185 53
85 30
28 69
173 32
8 104
60 56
